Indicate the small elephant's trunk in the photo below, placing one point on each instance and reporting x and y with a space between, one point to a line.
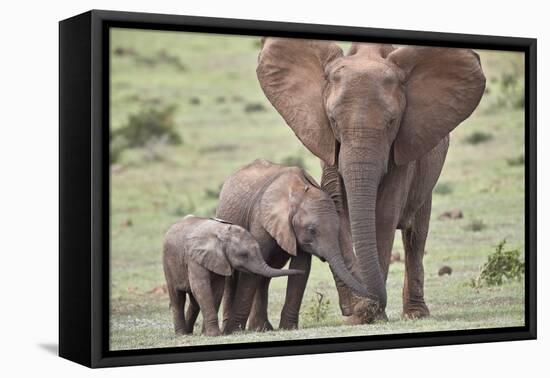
267 271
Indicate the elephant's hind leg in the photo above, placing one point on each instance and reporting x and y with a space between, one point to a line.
258 320
414 241
177 304
191 314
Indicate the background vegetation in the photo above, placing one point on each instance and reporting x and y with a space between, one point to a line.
187 111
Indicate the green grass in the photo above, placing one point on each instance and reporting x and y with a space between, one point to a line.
219 136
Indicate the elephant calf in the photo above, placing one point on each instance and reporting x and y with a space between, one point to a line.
198 254
291 218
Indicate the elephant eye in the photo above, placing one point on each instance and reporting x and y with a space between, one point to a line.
334 75
312 230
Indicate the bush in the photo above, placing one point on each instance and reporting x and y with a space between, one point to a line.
213 193
519 160
151 129
294 161
153 149
510 90
150 124
117 146
500 265
318 308
478 137
443 188
475 225
184 208
164 56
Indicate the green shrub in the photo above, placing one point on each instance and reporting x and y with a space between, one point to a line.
506 91
213 193
501 264
511 94
443 188
318 308
210 212
475 225
150 124
186 207
478 137
151 129
519 160
164 56
154 147
294 161
117 146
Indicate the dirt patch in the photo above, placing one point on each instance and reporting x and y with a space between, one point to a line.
395 257
158 290
222 147
445 270
451 214
124 51
254 107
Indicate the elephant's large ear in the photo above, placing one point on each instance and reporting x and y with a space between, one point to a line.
278 206
292 75
443 87
208 251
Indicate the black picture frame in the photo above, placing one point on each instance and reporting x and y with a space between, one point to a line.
84 188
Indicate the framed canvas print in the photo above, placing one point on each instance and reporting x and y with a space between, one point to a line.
234 188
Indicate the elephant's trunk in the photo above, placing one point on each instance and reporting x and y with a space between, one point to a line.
361 179
338 267
267 271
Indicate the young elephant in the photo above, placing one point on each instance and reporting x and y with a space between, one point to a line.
291 218
198 254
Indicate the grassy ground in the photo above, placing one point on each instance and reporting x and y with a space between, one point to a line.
225 121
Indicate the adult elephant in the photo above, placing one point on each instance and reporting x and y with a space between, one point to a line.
379 118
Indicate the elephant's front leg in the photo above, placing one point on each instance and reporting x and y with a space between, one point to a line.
414 241
242 302
258 320
295 291
200 282
229 296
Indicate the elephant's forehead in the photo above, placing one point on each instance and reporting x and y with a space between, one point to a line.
375 68
203 228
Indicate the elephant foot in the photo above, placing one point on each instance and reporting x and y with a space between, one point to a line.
212 332
366 311
259 325
416 311
288 324
182 332
231 327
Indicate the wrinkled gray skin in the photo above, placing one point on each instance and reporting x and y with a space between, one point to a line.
379 119
291 218
198 254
